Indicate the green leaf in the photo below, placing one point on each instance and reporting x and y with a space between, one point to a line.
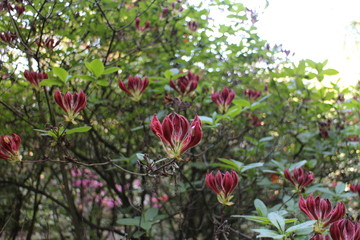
168 74
205 119
277 220
103 83
85 77
242 102
151 213
261 208
51 82
78 130
111 70
96 67
266 233
300 226
251 165
61 73
340 187
129 221
330 72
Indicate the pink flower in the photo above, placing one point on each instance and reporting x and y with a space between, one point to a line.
252 94
72 104
193 26
185 84
9 148
321 210
299 178
135 87
176 134
137 25
223 185
355 188
35 77
345 230
223 99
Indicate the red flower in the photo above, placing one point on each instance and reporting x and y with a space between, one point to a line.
8 37
135 88
20 9
254 120
223 99
300 179
321 210
9 148
252 94
345 230
185 84
355 188
193 26
35 77
319 237
49 43
176 134
72 104
137 25
223 185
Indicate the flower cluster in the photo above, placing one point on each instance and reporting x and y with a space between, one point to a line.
135 87
223 99
299 178
35 77
223 184
49 43
321 210
254 120
8 37
176 133
344 229
9 148
252 94
185 84
355 188
72 104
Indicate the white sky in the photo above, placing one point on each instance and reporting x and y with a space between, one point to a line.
314 29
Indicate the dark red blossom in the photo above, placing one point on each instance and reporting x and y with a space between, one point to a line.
355 188
20 9
72 104
185 84
49 43
9 147
252 94
176 133
223 184
318 236
35 77
299 178
138 27
344 229
254 120
321 210
223 99
8 37
135 86
193 26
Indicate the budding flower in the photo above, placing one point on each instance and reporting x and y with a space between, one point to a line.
176 134
136 86
300 179
252 94
223 185
321 210
35 77
223 99
254 120
20 9
49 43
355 188
72 104
8 37
9 148
344 229
185 84
193 26
137 25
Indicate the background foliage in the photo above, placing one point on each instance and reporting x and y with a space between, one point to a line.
93 183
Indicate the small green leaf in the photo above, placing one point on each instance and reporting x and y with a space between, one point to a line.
61 73
103 83
277 220
96 67
111 70
251 165
168 74
51 82
266 233
85 77
129 221
261 208
330 72
300 226
78 130
151 213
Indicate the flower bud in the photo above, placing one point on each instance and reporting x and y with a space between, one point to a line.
223 99
9 148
